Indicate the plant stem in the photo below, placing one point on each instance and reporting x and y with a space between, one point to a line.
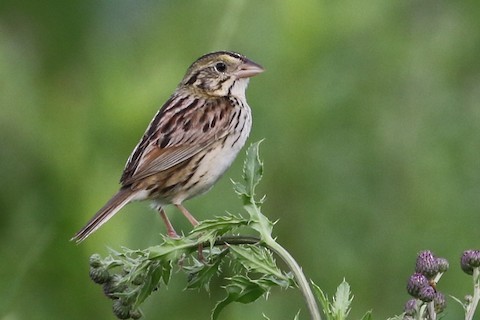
476 294
270 243
299 276
431 310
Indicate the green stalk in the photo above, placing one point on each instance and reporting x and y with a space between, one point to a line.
299 276
264 227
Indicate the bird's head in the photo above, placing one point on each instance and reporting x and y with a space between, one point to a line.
220 73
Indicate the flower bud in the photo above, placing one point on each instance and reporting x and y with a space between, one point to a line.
426 294
442 265
410 308
99 275
114 286
426 264
95 260
470 259
416 282
439 302
120 310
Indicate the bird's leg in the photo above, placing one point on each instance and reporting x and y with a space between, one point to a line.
170 230
187 214
194 223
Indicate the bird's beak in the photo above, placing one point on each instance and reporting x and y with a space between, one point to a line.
248 69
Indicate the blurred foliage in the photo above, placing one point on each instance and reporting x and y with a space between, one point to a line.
370 112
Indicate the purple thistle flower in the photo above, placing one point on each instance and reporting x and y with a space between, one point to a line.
410 308
416 282
470 260
426 264
439 302
442 265
426 294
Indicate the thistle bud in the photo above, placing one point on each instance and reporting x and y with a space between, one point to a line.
95 260
470 259
99 275
114 286
426 264
416 282
442 265
439 302
410 308
426 294
121 310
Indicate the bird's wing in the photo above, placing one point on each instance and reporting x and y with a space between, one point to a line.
183 127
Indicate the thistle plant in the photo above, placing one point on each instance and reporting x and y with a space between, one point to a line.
470 264
245 246
130 276
427 302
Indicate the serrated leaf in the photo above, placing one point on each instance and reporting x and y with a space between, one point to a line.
220 225
257 259
166 272
239 188
342 300
201 274
155 272
240 289
171 249
252 169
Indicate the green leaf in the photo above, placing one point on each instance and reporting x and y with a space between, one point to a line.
239 188
200 274
240 289
171 249
342 300
155 272
220 225
257 259
252 169
258 221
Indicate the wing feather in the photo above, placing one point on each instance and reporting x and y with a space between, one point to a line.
182 128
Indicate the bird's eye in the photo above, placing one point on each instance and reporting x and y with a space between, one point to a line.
220 67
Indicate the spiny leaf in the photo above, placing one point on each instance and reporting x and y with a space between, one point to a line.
220 225
200 274
257 259
171 249
152 280
342 301
240 289
253 168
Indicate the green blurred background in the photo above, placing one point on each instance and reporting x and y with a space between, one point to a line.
370 110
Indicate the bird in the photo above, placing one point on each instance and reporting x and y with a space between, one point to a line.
191 141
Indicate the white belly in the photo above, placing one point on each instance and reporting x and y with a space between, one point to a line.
215 163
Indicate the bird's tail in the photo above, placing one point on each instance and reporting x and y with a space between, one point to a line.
117 202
